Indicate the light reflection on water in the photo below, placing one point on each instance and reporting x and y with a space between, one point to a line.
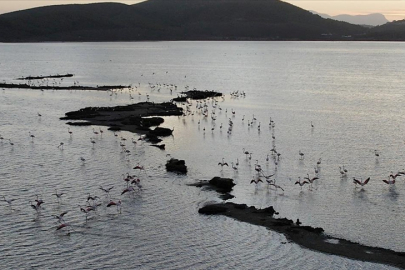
159 228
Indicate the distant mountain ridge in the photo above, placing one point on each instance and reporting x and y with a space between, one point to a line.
373 19
177 20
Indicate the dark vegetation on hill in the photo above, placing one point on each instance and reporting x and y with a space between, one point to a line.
174 20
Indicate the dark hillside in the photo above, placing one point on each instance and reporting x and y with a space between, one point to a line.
172 20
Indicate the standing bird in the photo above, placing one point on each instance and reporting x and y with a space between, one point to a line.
61 145
376 153
301 154
31 135
70 132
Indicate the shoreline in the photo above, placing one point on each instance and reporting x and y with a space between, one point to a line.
306 236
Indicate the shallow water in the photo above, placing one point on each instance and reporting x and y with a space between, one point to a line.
352 93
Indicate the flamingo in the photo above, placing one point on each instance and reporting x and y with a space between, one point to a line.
319 161
389 182
31 135
394 176
61 145
70 132
106 190
139 167
223 163
256 181
245 152
9 201
36 207
60 217
118 204
92 141
11 143
92 198
61 226
137 182
128 189
360 182
274 185
234 167
342 172
376 153
39 201
58 195
301 154
82 159
301 183
311 180
95 132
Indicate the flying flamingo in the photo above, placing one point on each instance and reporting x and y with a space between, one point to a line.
394 176
360 182
9 201
60 217
311 180
256 181
118 204
389 182
139 167
128 189
58 195
301 183
223 163
106 190
36 207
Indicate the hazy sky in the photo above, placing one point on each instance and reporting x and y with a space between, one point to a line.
392 9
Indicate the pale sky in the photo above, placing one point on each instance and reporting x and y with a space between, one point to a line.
392 9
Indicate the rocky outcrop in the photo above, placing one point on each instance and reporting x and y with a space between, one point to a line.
175 165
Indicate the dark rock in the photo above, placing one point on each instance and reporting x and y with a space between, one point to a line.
224 184
212 209
175 165
153 138
240 206
79 123
226 196
159 131
269 210
161 146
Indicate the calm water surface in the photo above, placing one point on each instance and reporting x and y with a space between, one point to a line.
352 93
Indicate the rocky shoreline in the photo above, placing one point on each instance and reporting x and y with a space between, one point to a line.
306 236
60 87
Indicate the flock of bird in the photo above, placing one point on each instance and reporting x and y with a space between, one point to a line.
207 109
130 185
